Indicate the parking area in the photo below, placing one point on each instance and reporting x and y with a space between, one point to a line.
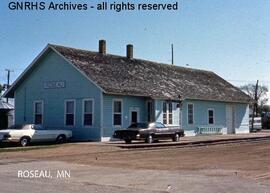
239 166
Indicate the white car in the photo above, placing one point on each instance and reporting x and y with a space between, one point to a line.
24 134
257 124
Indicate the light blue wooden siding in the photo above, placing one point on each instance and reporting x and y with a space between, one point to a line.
54 68
242 118
159 111
128 102
201 115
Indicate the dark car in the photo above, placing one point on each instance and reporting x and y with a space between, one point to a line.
149 132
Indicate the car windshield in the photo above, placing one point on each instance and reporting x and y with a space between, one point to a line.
138 125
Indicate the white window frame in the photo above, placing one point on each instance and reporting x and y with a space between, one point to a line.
210 109
93 110
42 111
74 122
122 107
167 112
193 117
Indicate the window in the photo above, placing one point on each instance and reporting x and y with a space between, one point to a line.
170 115
190 114
38 112
210 116
70 112
167 113
164 113
88 112
160 125
117 112
149 111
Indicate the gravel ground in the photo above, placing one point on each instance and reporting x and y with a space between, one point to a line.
95 167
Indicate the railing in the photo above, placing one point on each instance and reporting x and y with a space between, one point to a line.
209 130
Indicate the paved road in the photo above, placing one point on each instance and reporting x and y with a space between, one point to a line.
109 180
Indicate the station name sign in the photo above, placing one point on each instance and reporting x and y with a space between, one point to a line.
54 84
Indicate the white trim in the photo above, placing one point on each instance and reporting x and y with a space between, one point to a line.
167 112
51 46
42 111
93 112
101 116
134 109
211 109
65 104
122 107
193 115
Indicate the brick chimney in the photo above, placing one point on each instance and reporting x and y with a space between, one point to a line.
102 46
130 51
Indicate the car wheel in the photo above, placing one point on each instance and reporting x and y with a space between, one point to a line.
24 141
128 141
61 139
149 139
176 137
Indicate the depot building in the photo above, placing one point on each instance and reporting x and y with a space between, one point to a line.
95 93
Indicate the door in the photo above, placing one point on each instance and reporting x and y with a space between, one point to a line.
230 119
134 115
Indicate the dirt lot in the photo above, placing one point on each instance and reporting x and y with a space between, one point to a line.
232 167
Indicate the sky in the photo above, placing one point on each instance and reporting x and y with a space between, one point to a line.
229 37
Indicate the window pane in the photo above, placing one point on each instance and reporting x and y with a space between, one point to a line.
170 107
38 108
211 113
190 113
211 120
87 119
70 107
117 119
170 118
164 118
38 119
70 119
88 106
190 119
164 107
117 106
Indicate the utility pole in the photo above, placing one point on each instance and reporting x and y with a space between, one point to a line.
255 105
8 78
172 54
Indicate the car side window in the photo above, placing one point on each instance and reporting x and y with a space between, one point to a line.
160 125
38 127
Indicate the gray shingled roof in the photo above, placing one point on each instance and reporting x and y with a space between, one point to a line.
124 76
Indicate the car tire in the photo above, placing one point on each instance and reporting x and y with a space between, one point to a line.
24 141
149 139
176 137
61 139
128 141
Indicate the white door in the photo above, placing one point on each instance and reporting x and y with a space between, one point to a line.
230 119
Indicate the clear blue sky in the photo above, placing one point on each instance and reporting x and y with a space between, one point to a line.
229 37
